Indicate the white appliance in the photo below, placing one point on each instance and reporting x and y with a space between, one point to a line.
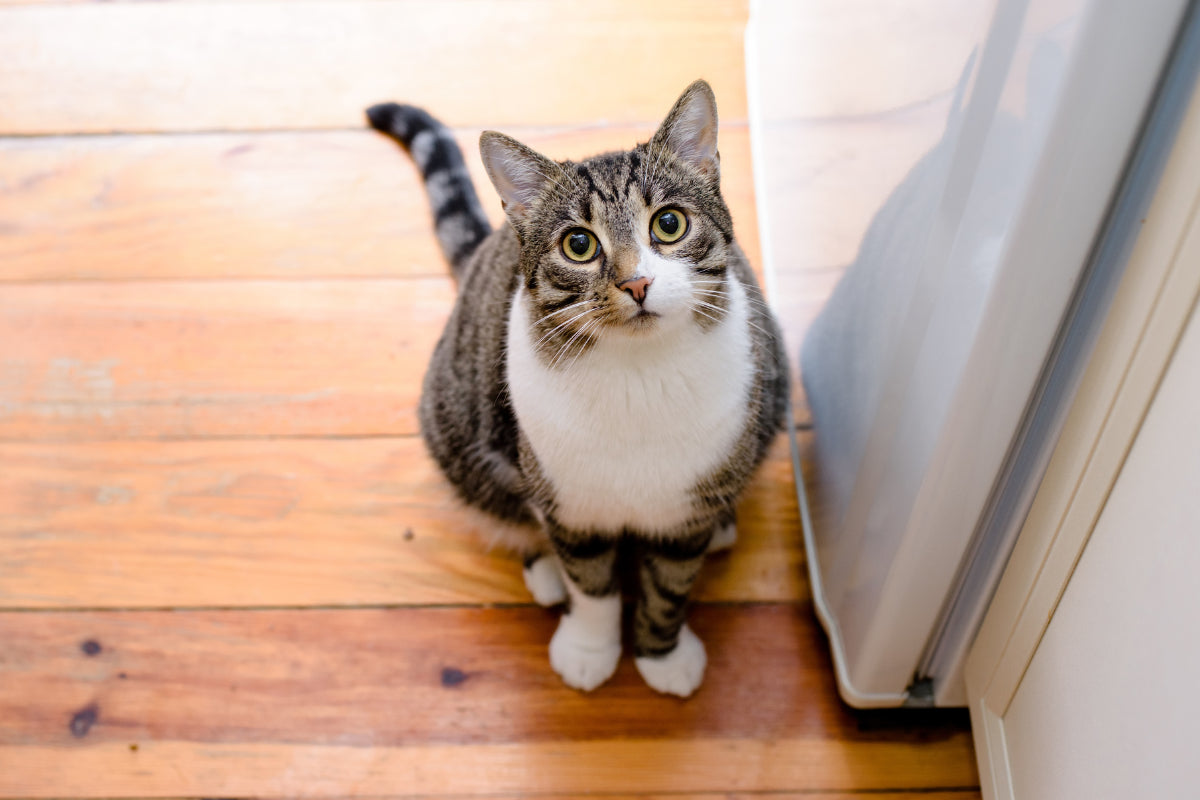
991 160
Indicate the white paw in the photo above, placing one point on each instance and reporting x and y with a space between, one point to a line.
723 539
680 671
582 661
544 581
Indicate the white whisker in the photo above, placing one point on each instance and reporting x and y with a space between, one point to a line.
706 316
549 178
654 166
724 312
561 325
561 310
585 329
751 300
718 309
566 347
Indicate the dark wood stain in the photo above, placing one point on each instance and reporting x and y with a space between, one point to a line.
452 677
83 720
769 677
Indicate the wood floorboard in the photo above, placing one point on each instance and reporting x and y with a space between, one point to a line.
194 66
228 568
196 359
299 523
431 699
869 794
263 205
171 768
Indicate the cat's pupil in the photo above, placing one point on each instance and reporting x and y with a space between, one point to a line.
669 223
578 242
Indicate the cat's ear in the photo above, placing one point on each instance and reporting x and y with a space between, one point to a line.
519 174
690 130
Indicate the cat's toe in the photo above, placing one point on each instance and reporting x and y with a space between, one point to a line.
544 582
680 671
580 662
724 538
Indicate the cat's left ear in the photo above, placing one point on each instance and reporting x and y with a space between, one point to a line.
690 130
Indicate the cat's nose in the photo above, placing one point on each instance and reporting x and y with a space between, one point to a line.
636 287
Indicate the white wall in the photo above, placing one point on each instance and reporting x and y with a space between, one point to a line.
1108 706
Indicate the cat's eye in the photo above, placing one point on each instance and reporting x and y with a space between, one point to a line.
580 245
669 225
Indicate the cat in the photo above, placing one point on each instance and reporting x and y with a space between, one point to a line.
610 376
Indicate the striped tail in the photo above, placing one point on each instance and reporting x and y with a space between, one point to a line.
458 218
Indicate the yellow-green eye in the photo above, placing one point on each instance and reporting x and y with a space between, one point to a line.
580 245
669 225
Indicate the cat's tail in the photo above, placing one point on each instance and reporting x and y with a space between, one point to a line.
458 217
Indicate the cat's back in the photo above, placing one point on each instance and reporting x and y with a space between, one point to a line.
465 412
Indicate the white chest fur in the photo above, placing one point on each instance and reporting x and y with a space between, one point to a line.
625 433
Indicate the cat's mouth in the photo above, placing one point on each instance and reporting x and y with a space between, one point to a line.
642 319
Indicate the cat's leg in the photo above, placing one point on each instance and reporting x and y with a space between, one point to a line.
587 645
542 573
543 579
670 657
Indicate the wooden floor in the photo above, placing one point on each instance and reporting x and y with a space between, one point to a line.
227 566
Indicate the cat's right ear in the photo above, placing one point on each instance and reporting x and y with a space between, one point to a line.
519 174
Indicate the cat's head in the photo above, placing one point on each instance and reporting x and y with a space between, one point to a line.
624 244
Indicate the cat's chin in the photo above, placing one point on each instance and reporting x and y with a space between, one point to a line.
644 323
644 320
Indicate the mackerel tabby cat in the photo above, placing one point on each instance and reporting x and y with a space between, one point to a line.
609 379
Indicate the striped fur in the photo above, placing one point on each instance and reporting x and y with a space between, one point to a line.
609 432
458 217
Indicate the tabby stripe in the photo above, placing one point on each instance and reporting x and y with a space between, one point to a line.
672 597
556 305
458 253
457 202
584 209
435 151
583 548
666 631
683 548
458 216
655 639
634 179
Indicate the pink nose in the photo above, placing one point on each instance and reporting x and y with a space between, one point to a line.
636 287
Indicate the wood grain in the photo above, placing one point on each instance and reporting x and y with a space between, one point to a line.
218 294
237 66
297 523
203 359
218 358
171 768
935 794
262 205
932 794
430 701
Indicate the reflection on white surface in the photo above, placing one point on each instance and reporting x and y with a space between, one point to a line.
932 161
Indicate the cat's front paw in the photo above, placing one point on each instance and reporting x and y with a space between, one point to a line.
680 671
544 581
579 659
